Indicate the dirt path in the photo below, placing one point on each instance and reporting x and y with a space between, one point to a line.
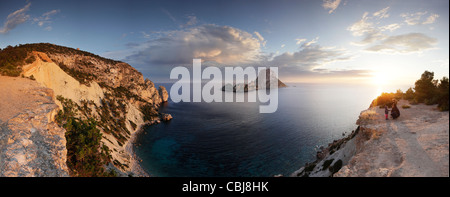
416 144
16 96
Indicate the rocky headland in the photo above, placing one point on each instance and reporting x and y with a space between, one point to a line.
272 81
414 145
112 94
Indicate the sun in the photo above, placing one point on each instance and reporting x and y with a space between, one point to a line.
380 78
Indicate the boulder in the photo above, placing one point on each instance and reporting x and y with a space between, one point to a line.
166 117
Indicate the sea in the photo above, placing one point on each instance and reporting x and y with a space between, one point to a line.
220 139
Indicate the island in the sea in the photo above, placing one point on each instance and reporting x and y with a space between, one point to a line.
272 81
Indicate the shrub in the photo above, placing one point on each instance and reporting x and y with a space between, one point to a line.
149 112
384 99
86 156
406 106
425 87
336 167
327 163
443 92
398 95
11 58
409 94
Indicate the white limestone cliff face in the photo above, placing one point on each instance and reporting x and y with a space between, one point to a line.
53 77
106 78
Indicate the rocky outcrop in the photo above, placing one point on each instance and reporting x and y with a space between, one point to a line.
163 93
166 117
31 144
330 160
111 92
413 145
272 81
52 76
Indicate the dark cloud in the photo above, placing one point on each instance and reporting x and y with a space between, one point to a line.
221 44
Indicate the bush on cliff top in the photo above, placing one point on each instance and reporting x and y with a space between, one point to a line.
10 60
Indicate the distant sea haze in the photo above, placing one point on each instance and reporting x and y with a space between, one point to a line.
235 140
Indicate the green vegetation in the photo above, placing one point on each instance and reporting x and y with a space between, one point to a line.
112 118
149 112
327 163
82 77
86 156
51 48
11 58
336 167
427 90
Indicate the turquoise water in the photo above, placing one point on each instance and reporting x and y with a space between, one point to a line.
235 140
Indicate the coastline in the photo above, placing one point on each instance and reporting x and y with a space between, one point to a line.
413 145
135 167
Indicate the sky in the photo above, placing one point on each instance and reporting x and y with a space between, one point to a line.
315 41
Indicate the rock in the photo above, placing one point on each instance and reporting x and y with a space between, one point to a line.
34 146
166 117
90 81
271 82
163 93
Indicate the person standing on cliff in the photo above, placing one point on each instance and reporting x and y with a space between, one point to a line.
386 112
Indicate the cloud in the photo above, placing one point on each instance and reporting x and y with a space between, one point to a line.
221 44
405 43
45 19
145 35
300 40
15 18
416 18
283 45
313 41
308 57
382 13
331 5
260 38
368 27
192 20
374 34
431 19
390 27
362 27
169 14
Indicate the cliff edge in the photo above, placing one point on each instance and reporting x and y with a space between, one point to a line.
414 145
109 100
31 144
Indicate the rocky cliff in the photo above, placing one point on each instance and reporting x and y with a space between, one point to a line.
31 143
414 145
112 93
